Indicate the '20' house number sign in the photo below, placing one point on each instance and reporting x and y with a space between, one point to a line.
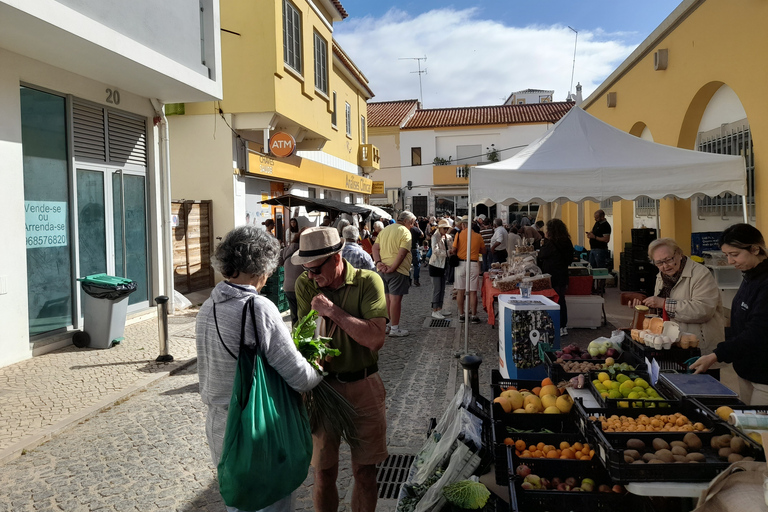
113 96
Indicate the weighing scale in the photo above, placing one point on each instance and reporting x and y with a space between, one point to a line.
695 385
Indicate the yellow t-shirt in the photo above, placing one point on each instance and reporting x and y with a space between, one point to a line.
390 240
460 243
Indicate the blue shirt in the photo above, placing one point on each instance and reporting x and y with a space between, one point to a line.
357 257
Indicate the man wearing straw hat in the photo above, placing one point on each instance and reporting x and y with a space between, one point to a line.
354 310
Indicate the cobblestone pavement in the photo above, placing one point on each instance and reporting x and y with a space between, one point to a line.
148 451
43 395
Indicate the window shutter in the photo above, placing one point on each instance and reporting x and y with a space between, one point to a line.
88 132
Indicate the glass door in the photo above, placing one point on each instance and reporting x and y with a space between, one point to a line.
130 231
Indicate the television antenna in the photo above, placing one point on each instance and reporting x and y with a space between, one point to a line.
573 69
420 72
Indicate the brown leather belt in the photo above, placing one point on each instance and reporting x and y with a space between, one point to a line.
346 377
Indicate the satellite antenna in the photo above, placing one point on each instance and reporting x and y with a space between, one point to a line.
420 72
573 69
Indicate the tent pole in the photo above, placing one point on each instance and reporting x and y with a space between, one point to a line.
467 263
745 209
658 227
580 222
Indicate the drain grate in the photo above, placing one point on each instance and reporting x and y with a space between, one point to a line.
434 322
391 474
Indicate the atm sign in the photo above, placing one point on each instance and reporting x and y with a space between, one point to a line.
282 144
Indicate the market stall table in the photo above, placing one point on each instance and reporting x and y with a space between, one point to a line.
489 294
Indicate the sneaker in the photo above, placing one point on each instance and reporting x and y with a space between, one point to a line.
445 313
397 333
386 331
563 331
436 314
475 320
461 318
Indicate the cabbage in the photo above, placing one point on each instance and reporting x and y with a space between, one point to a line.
467 494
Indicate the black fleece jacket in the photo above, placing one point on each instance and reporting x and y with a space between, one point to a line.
747 344
554 258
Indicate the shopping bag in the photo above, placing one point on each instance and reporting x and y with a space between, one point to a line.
267 441
737 489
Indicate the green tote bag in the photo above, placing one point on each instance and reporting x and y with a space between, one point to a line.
267 442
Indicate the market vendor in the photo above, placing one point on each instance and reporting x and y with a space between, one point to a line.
746 345
688 292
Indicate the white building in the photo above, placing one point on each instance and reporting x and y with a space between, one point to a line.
528 96
82 155
421 149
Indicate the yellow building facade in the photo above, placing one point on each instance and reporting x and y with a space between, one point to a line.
283 73
701 71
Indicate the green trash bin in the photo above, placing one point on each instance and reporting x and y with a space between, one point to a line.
105 309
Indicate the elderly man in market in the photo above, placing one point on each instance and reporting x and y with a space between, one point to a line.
353 252
392 257
353 308
499 241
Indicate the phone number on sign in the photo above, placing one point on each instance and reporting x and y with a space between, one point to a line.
46 240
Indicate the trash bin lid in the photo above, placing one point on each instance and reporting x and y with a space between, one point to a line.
104 280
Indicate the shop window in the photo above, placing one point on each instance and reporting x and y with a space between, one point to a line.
46 204
291 36
312 192
420 206
348 110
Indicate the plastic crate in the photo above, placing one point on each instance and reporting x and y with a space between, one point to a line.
557 373
670 359
530 422
611 445
522 500
709 410
634 403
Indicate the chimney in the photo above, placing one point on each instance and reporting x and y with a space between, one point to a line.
578 99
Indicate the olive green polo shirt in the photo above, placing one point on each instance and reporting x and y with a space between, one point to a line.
365 300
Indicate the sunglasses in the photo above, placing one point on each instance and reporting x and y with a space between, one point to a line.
318 269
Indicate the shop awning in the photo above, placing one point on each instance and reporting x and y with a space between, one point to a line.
314 204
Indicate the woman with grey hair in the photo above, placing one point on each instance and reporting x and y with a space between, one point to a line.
246 258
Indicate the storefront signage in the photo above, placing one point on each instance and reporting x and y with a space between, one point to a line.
46 223
358 184
303 170
377 187
282 144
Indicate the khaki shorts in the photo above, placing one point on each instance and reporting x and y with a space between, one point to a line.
368 397
459 280
396 283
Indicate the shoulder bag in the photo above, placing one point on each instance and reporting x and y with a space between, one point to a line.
267 442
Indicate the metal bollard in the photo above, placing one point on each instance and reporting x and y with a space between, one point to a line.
471 365
162 327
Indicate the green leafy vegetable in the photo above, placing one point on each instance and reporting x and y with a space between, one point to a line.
312 349
325 405
467 494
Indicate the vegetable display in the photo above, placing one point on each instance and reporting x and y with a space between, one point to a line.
325 405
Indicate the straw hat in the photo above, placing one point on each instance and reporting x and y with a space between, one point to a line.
464 219
316 243
443 224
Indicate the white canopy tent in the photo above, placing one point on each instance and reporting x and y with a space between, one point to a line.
582 157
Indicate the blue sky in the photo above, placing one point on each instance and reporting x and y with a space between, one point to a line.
479 51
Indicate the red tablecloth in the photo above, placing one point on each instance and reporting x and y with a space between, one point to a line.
489 294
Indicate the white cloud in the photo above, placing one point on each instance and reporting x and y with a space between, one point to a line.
473 61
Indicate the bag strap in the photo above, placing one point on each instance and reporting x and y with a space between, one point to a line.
216 321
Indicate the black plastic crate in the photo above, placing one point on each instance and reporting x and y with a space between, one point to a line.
523 421
670 359
557 373
709 410
522 500
633 403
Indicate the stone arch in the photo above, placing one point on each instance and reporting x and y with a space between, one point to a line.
637 129
690 125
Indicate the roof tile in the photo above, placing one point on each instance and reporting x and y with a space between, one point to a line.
390 113
497 114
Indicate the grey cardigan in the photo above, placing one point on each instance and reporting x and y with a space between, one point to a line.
216 367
